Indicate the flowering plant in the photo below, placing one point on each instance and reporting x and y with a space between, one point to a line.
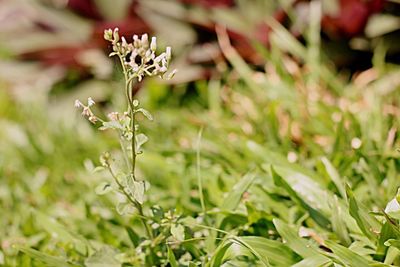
138 59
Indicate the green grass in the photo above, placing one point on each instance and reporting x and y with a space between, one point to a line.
282 183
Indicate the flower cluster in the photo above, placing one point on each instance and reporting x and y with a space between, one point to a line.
86 111
139 57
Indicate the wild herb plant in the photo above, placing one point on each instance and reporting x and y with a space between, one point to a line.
138 59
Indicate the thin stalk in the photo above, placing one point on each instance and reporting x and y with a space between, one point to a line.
133 122
138 206
198 172
131 107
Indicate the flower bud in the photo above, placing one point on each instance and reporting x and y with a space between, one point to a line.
168 53
172 74
93 119
153 45
90 102
113 116
124 42
136 42
116 35
108 34
145 40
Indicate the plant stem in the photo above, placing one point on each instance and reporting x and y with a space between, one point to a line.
133 122
133 201
198 172
131 107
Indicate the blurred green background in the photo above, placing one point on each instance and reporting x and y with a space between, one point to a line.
309 87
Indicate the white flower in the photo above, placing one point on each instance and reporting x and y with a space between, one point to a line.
145 40
78 103
86 111
113 116
90 102
93 119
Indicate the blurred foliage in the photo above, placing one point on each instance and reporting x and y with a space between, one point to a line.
297 158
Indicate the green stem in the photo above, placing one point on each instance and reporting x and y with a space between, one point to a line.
198 171
133 201
133 122
129 95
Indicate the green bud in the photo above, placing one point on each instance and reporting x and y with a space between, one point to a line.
108 34
116 35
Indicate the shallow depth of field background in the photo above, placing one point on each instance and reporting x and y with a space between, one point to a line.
310 88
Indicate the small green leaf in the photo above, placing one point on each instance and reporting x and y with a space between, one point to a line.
146 113
103 188
232 200
124 208
98 169
136 189
111 125
171 258
178 232
140 140
393 242
133 236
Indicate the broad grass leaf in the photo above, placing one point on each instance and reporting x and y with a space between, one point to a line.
233 198
335 177
389 231
315 214
49 260
347 256
105 257
365 222
316 260
219 255
338 221
293 241
238 246
59 231
273 251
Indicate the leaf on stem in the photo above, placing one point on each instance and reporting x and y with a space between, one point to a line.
103 188
178 232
